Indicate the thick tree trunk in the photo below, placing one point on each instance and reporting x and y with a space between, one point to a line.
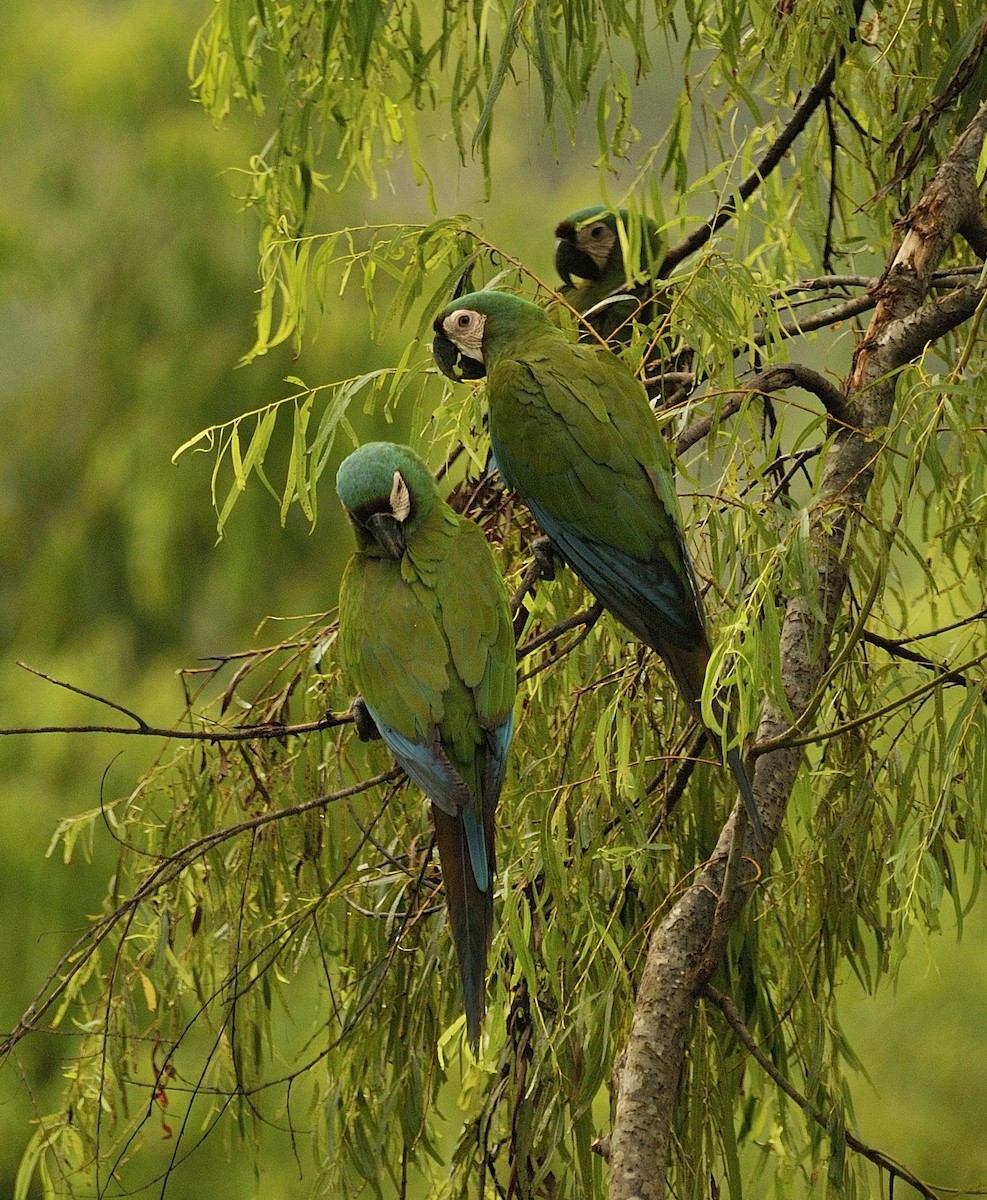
689 941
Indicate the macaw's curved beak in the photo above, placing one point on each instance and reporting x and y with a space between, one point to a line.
450 361
388 533
575 268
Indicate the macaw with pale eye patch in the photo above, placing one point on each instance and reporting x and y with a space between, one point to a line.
425 632
590 261
574 436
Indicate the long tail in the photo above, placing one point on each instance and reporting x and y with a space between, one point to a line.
737 766
688 669
470 910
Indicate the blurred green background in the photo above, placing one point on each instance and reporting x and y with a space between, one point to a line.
127 273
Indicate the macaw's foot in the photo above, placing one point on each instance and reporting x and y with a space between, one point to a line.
546 556
366 726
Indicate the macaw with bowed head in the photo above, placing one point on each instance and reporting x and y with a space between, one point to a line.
573 434
425 632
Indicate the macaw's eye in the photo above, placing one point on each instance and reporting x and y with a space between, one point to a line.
596 231
464 321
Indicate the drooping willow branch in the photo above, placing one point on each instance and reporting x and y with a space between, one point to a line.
167 870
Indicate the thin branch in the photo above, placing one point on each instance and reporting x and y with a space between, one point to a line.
819 320
775 153
701 427
959 623
954 277
897 649
71 687
262 731
878 1157
586 618
589 619
794 737
764 383
797 375
54 986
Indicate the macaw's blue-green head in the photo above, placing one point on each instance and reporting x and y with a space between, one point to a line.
588 249
472 332
387 492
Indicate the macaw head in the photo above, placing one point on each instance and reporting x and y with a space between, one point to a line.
386 490
588 249
472 331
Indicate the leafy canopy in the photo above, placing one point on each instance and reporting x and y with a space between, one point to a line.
277 935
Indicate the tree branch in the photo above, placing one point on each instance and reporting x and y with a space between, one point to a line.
670 982
898 650
774 379
775 153
262 731
878 1157
819 320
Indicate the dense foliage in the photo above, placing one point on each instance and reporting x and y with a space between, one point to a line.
271 959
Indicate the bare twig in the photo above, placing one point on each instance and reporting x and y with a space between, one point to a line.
262 731
944 674
764 383
63 972
586 618
819 320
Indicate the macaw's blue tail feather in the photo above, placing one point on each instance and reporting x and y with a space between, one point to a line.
476 843
736 764
470 912
688 669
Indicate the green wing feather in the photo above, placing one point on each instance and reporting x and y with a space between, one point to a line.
584 439
393 646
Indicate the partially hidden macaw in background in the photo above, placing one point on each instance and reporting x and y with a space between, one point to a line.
573 434
589 258
590 261
425 632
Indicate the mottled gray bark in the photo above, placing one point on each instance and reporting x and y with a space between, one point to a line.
689 941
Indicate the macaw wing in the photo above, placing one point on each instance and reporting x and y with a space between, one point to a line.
648 597
393 647
476 620
428 765
572 429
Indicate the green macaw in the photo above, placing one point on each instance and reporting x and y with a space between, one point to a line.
590 261
573 434
589 258
425 632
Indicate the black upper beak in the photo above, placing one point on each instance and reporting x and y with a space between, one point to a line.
569 260
449 360
388 532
